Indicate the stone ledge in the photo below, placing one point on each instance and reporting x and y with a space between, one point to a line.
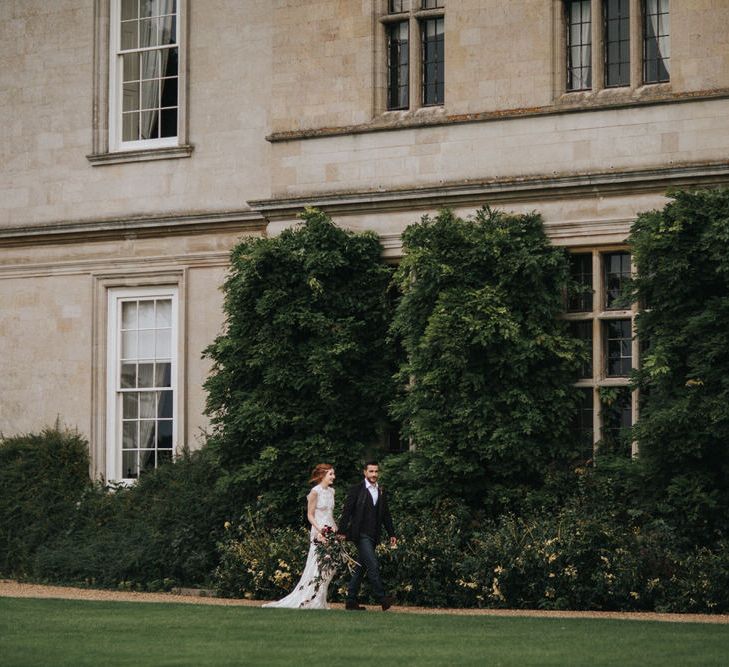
568 103
145 155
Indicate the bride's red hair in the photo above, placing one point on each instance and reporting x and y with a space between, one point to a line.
317 475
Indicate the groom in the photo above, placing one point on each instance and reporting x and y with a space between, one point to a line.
365 510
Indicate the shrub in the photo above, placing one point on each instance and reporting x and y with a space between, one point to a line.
158 533
682 258
259 561
488 366
42 476
301 374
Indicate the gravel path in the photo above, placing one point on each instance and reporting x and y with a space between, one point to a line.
16 589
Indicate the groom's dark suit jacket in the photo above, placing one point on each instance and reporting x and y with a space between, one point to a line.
361 517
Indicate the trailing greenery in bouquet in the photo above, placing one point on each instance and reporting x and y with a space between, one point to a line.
331 555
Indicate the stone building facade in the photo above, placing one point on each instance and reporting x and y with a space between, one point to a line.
142 138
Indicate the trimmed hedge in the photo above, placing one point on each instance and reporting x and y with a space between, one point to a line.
42 477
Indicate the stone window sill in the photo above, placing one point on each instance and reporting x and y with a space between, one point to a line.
144 155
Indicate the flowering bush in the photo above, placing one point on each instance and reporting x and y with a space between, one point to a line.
258 562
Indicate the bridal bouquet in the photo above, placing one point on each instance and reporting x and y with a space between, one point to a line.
331 554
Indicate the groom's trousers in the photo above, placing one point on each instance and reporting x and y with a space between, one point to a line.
368 561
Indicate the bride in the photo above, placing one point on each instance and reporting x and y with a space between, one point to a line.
320 512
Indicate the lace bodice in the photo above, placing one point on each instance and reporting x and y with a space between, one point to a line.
324 511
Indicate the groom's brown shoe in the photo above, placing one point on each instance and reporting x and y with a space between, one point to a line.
353 606
386 603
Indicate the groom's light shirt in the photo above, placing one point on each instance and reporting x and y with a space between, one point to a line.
374 491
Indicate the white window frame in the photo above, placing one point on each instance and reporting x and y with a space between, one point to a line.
116 144
116 296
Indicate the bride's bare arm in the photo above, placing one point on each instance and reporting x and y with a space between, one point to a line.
310 510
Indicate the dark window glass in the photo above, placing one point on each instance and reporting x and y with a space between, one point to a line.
398 66
617 416
395 441
583 423
617 42
579 45
617 335
432 4
656 42
616 267
582 329
433 61
581 272
399 6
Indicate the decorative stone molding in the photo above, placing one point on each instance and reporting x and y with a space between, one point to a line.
567 103
133 227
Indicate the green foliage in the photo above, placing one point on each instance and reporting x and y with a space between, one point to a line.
259 561
489 366
158 533
301 374
682 259
42 476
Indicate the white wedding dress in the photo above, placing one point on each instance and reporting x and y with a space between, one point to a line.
305 595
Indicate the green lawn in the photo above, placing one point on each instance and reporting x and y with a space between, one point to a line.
74 632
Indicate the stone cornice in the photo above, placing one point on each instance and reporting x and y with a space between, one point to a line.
133 227
499 191
568 103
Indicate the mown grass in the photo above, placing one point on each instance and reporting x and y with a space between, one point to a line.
78 633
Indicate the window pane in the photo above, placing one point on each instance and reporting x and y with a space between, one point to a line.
130 67
169 93
129 345
129 435
163 373
129 9
146 434
432 4
129 315
617 42
146 375
584 423
583 330
168 30
579 45
164 434
656 42
168 123
397 6
617 417
146 314
581 273
130 96
130 408
130 126
146 344
169 64
149 124
148 33
433 61
150 94
164 405
616 274
146 460
162 349
163 313
129 35
130 465
147 405
398 66
618 347
128 376
150 65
